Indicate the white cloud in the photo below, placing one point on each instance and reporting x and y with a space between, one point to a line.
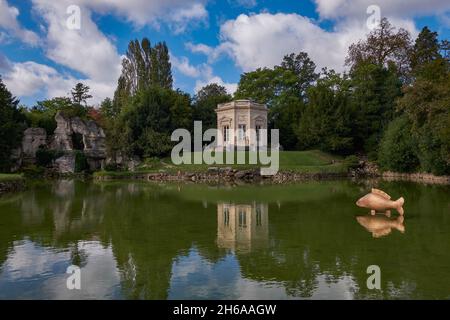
199 48
183 65
262 40
87 50
177 13
333 9
30 78
202 72
208 77
181 17
9 22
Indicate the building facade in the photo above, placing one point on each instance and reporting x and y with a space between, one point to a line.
240 123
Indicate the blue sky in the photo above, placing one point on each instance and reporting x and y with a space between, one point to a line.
209 41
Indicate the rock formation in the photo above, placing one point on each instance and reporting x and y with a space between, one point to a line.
71 135
92 141
33 139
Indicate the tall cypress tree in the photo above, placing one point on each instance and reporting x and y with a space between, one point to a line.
144 66
165 79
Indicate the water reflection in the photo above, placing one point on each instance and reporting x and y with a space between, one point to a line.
242 226
146 241
381 225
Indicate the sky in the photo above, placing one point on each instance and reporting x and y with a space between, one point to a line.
47 46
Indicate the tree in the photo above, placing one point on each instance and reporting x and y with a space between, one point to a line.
426 103
384 47
80 94
258 85
205 104
12 124
375 90
283 89
108 109
143 67
304 68
328 120
398 148
145 126
426 59
163 66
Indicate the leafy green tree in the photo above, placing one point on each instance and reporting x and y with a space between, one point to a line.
328 120
80 94
375 90
384 47
427 105
143 67
148 122
303 68
205 104
163 67
398 147
12 124
257 85
108 109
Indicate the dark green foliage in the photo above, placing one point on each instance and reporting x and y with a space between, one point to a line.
144 66
375 90
425 52
328 120
45 157
80 94
33 171
205 104
80 162
427 104
108 109
398 147
12 124
148 122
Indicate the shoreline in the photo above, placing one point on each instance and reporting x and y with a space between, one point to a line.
248 176
253 176
426 178
12 185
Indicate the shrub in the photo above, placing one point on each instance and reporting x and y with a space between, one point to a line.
33 171
398 148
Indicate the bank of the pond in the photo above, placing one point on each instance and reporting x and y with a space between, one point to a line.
215 174
229 174
11 183
416 177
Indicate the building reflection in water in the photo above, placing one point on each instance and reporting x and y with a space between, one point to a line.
242 227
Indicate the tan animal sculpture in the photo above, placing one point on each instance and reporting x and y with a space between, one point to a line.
380 225
380 201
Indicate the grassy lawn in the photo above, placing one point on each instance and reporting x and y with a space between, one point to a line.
311 161
10 177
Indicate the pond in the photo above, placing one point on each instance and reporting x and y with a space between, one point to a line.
137 240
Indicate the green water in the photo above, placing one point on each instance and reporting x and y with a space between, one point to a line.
148 241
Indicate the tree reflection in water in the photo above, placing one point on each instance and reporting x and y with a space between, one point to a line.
158 241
